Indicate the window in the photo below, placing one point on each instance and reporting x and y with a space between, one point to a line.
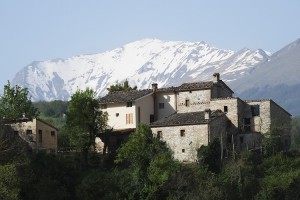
52 133
161 105
247 125
117 114
40 136
182 133
159 134
129 104
16 133
103 106
183 150
29 132
187 102
151 118
129 118
190 91
255 110
247 121
225 109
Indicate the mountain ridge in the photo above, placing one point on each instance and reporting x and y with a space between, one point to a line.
141 62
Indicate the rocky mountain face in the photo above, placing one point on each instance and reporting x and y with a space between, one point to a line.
142 63
276 79
168 63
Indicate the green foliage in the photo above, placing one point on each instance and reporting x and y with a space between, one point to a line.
54 112
271 144
295 129
84 120
193 181
99 184
55 109
150 164
282 175
15 102
12 147
50 176
121 87
210 156
271 141
9 182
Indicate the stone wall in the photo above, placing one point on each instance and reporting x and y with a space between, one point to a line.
219 90
43 136
217 129
192 101
262 122
184 146
185 140
248 141
280 118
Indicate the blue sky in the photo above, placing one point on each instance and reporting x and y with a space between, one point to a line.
35 30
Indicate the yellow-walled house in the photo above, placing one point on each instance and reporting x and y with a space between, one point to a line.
40 135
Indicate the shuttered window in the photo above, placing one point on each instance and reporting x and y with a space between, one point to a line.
129 118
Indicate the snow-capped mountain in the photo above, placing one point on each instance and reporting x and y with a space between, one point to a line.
277 79
142 63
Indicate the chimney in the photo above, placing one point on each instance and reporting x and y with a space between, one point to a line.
207 113
154 87
216 77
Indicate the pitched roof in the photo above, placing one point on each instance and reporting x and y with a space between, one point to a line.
124 96
190 118
44 122
195 86
203 85
132 95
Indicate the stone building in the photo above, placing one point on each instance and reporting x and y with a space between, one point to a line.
186 132
40 135
192 114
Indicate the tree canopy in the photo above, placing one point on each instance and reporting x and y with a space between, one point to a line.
14 103
84 119
150 161
121 87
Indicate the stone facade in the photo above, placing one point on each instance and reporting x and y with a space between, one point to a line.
185 140
242 124
40 135
184 145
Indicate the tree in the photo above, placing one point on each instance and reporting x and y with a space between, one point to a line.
210 156
14 103
271 141
84 120
121 87
281 177
295 130
9 182
150 164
